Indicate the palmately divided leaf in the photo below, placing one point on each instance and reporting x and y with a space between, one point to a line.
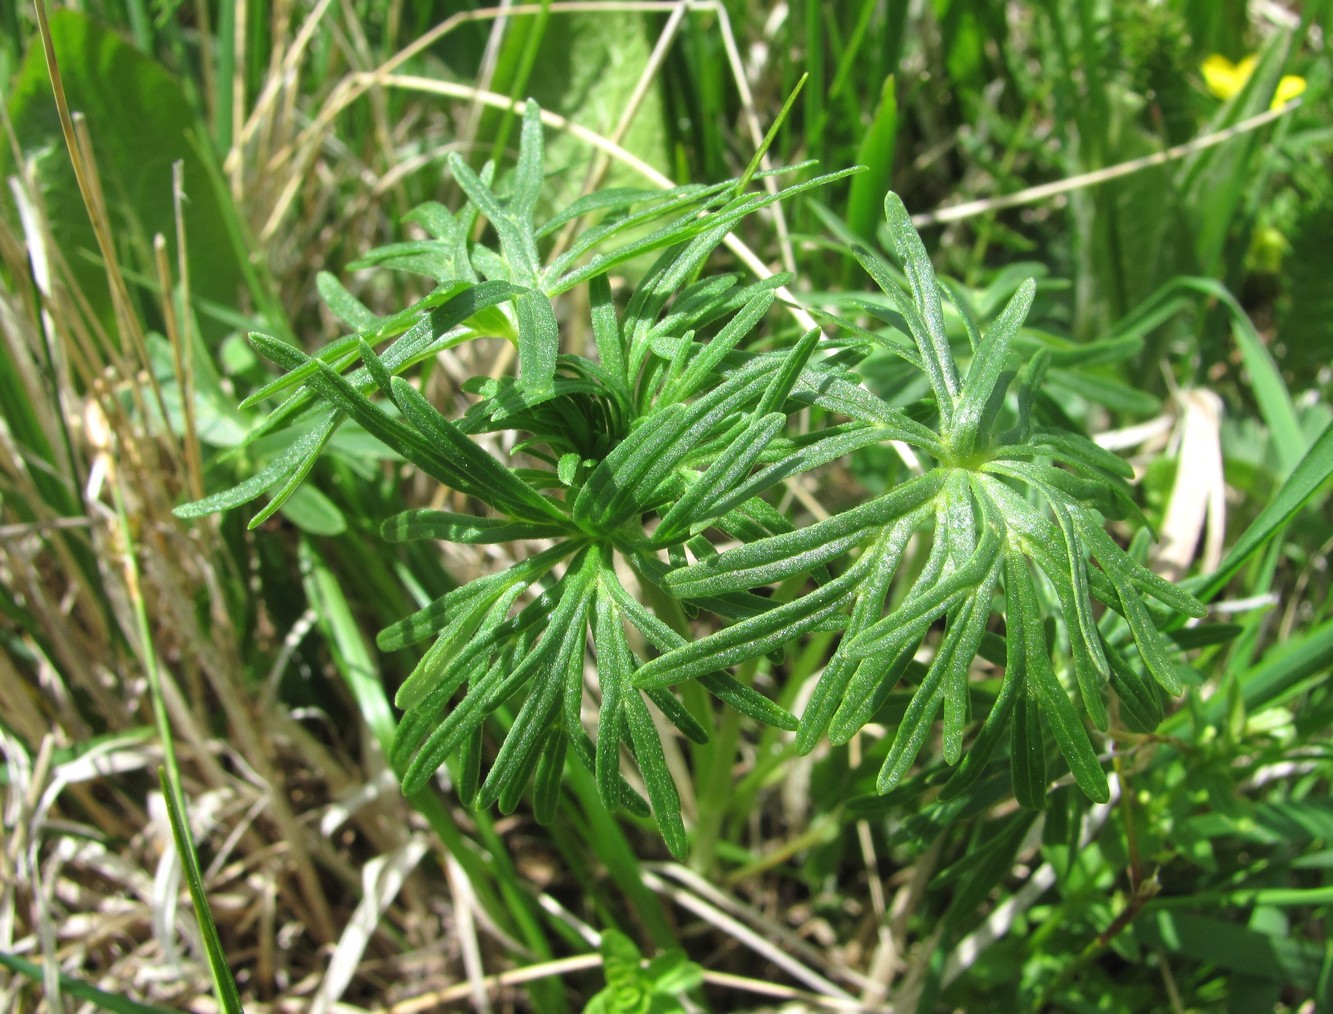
633 460
782 556
987 365
1068 729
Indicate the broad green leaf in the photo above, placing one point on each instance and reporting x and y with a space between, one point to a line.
141 123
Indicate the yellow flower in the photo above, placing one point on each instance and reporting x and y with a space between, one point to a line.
1225 79
1287 89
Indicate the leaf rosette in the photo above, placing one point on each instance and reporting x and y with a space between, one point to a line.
675 429
1015 510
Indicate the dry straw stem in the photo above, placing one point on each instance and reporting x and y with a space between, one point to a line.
78 636
126 451
295 159
1031 195
584 962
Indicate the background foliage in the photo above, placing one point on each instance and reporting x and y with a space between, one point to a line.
304 134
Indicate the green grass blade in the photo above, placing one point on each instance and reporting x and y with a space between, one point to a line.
1305 480
224 985
351 654
169 776
77 988
772 133
875 152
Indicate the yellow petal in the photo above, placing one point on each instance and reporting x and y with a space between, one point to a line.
1221 76
1287 89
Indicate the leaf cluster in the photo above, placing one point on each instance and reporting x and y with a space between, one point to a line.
1016 511
628 468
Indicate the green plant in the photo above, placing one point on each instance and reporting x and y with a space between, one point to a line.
660 425
1006 491
637 461
633 987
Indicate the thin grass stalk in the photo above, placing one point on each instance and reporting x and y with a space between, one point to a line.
185 357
